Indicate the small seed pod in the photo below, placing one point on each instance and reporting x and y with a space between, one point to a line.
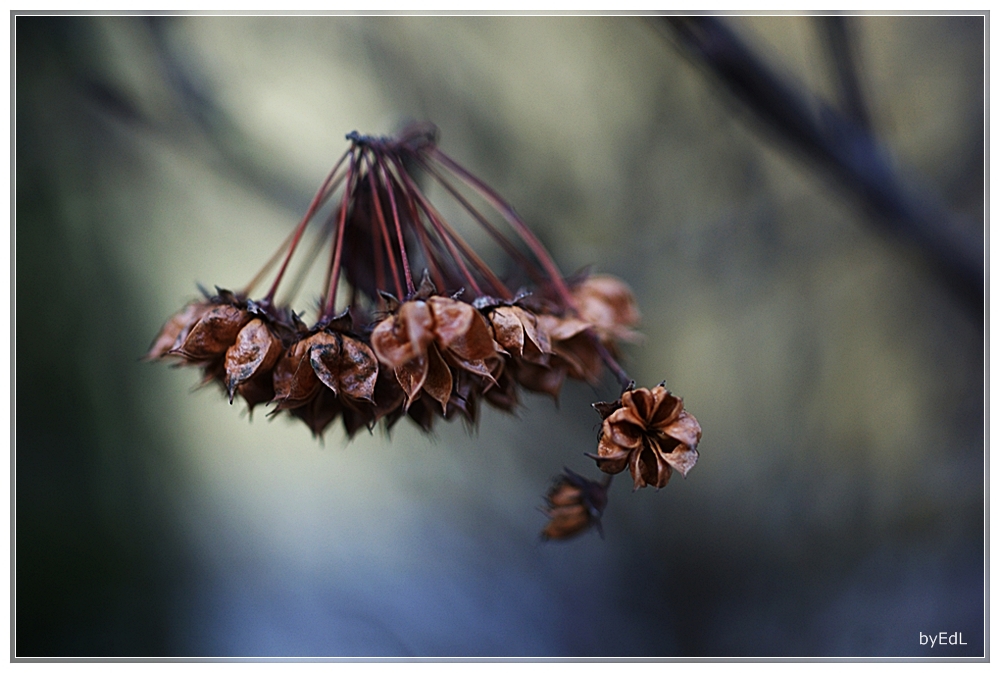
574 504
173 333
346 366
649 432
295 380
213 334
254 355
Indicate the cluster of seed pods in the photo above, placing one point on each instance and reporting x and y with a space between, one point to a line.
440 346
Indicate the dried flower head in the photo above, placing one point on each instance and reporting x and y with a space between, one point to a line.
608 305
424 341
574 504
649 432
176 329
430 349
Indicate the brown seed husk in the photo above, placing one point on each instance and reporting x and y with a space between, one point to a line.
325 361
411 376
429 374
358 370
295 381
651 434
356 415
507 330
176 329
214 333
572 347
503 395
423 411
439 379
546 379
405 335
257 389
459 328
574 504
347 367
518 333
389 396
256 351
608 304
321 410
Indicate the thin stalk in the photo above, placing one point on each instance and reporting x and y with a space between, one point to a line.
331 295
442 232
430 253
321 196
469 253
377 257
609 361
494 233
515 221
269 264
310 259
399 235
377 202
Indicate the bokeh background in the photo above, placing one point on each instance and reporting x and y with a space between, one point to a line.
836 510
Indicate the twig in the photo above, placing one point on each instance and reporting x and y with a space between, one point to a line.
850 153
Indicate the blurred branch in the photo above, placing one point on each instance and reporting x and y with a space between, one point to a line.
240 153
841 144
840 40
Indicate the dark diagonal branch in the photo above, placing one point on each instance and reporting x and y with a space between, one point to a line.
839 34
837 143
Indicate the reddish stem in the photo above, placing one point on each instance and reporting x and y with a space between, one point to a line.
310 259
609 361
331 295
321 196
399 235
269 264
431 255
501 240
426 244
469 253
515 221
384 230
377 257
438 223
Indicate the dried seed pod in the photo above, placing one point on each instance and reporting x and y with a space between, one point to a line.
503 395
254 354
423 411
257 389
319 411
295 380
405 335
175 330
461 330
547 379
518 332
608 304
651 434
574 504
430 355
356 416
426 340
429 374
389 397
214 333
572 347
464 400
346 366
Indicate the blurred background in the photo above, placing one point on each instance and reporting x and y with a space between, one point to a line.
836 510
